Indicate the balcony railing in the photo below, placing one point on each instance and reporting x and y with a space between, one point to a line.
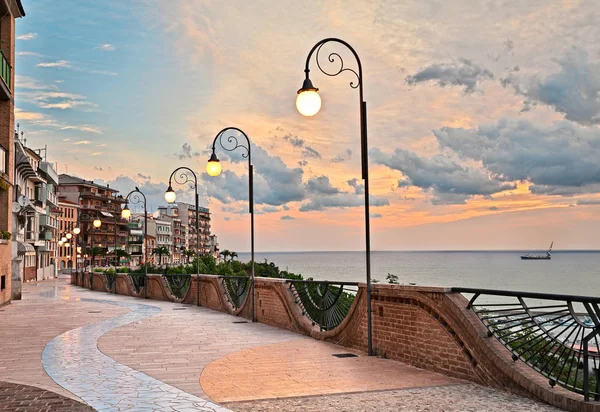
5 70
557 335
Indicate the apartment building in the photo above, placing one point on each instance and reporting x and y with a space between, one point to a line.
34 221
9 11
161 230
187 214
67 221
135 243
97 202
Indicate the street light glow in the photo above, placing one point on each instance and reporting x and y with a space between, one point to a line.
170 195
63 239
213 167
68 236
308 102
126 213
97 223
77 231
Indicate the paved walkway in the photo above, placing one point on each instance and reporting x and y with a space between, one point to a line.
27 398
121 353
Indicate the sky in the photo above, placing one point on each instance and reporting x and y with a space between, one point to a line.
483 115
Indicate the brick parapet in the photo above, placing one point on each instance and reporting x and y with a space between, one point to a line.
427 327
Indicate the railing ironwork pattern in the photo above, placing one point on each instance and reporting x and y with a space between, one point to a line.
557 335
325 303
236 289
138 280
111 279
179 284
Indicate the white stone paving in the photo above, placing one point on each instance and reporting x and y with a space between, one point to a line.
74 361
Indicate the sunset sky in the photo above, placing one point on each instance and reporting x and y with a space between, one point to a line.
483 115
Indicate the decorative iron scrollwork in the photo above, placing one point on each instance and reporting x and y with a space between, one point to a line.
138 280
332 58
110 280
178 284
236 289
557 335
325 303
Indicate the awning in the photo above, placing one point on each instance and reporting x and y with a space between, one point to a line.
106 214
24 248
135 232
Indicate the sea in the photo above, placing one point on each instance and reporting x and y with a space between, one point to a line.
569 272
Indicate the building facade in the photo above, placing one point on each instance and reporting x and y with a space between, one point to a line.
35 213
9 11
67 221
96 202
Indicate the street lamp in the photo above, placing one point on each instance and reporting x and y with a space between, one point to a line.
68 235
76 231
183 178
308 103
213 168
126 214
97 223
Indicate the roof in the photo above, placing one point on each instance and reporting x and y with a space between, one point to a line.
21 9
67 202
68 180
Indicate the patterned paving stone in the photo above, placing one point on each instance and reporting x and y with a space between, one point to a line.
74 361
464 397
24 398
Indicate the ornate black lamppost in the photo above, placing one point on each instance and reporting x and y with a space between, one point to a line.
308 103
213 168
183 178
126 214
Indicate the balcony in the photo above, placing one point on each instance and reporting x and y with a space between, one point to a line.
48 221
47 235
5 72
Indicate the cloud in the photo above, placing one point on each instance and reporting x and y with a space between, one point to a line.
49 97
376 215
98 168
560 159
270 209
463 73
447 180
83 142
23 115
97 153
63 64
321 185
25 82
104 72
83 128
66 140
106 47
299 143
494 208
583 202
343 157
340 200
187 152
573 91
145 177
27 36
155 192
287 217
302 163
26 53
359 188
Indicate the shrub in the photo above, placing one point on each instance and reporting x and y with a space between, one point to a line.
123 270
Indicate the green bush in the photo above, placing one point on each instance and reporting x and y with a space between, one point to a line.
123 270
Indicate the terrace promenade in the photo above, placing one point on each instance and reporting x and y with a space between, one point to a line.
71 347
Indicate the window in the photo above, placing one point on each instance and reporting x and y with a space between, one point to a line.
3 282
3 159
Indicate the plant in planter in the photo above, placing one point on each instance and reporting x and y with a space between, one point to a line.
6 235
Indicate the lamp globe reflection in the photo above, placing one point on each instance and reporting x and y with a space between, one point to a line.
213 167
170 195
126 213
97 223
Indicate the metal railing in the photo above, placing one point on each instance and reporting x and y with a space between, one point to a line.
111 279
138 280
179 284
325 303
557 335
5 70
236 289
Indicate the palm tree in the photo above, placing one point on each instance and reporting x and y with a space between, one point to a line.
226 253
160 251
189 253
233 255
94 251
120 253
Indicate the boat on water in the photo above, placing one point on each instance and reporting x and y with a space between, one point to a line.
547 256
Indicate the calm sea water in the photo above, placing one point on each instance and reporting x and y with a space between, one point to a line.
568 272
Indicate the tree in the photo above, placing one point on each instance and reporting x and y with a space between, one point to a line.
233 255
120 253
94 251
190 253
226 253
160 251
